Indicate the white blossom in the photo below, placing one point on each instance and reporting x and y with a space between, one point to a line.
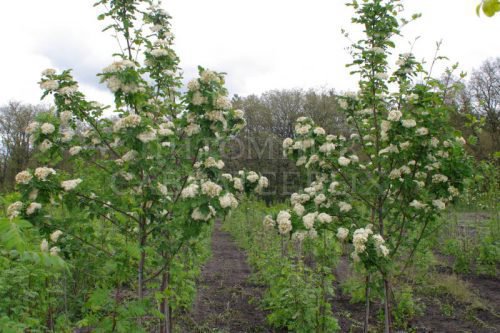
319 131
344 206
68 90
298 209
158 52
211 189
439 178
319 199
23 177
208 76
327 147
342 233
252 177
439 204
238 184
75 150
190 191
308 220
130 121
268 222
284 223
324 218
223 103
33 207
14 209
344 161
54 251
43 172
49 85
44 246
47 128
417 204
287 143
228 200
32 127
381 76
147 136
69 185
422 131
55 235
394 115
193 85
408 123
45 145
48 72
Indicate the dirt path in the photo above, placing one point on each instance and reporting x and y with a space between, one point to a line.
226 300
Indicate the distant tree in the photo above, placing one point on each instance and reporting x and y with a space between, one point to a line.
484 88
15 148
271 119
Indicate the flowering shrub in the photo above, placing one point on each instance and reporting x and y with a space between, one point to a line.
382 187
148 168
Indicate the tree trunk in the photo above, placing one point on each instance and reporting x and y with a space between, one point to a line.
165 309
367 304
387 307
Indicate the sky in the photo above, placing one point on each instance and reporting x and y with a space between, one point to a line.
260 44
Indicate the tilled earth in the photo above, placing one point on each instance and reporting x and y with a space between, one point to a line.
227 301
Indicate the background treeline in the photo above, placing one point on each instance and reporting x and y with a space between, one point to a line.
271 117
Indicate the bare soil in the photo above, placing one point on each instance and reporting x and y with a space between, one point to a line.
441 314
227 301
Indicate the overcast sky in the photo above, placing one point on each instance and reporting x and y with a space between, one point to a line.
261 44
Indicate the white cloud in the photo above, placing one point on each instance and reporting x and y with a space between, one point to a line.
261 44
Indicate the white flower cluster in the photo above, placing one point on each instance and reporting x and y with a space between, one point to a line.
118 66
113 81
14 209
147 136
190 191
211 189
54 250
210 162
42 173
198 215
129 121
69 185
284 222
228 200
360 240
23 177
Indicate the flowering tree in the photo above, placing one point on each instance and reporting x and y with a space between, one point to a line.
383 187
151 172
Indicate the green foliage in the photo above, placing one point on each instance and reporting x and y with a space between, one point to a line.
473 245
489 7
406 308
482 189
297 293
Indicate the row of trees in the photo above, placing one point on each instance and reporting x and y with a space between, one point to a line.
15 148
271 117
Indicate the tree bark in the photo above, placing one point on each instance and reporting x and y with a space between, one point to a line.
367 304
387 307
165 309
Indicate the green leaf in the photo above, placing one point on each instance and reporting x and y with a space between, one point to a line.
490 7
